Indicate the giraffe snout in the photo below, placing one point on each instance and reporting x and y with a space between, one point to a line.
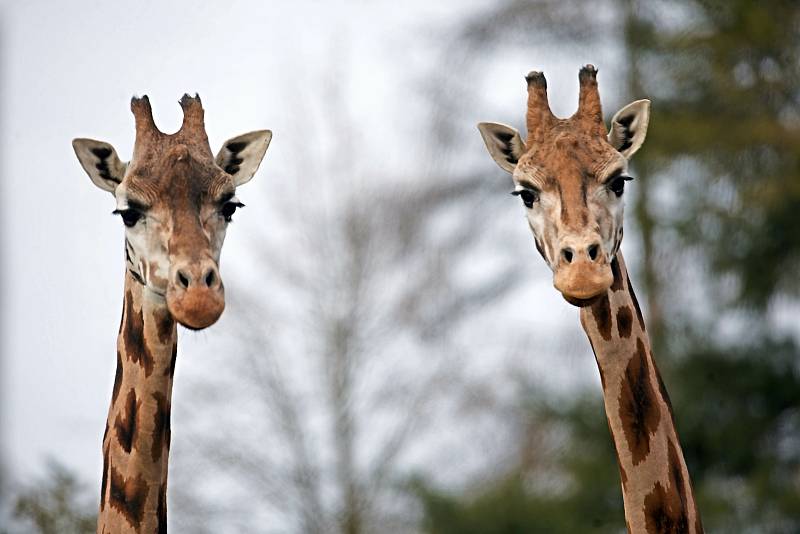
582 272
196 295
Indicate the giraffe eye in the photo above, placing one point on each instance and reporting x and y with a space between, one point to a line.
228 209
528 196
129 216
617 185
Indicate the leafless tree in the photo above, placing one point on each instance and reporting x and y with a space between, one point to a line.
347 354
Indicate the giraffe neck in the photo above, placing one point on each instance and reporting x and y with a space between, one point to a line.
656 488
137 436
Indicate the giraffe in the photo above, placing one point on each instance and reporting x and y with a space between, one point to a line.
570 175
175 200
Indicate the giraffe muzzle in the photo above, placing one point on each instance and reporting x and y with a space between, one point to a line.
582 280
195 294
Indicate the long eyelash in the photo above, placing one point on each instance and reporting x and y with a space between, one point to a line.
226 197
138 206
613 177
126 210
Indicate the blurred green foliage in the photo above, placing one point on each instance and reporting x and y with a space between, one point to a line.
726 93
583 496
56 504
723 77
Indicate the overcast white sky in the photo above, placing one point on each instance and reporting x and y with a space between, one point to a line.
69 70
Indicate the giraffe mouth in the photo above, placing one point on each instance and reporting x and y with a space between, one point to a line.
192 328
582 303
582 282
196 308
583 287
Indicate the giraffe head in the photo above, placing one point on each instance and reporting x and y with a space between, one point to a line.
570 175
176 200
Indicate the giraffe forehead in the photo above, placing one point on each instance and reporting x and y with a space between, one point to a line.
567 157
174 184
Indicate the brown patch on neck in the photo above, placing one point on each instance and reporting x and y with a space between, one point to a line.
161 511
118 376
601 311
122 317
160 425
676 473
165 324
136 348
624 322
665 509
638 410
104 481
128 496
171 369
126 425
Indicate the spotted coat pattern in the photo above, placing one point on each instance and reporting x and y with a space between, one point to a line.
137 439
176 200
570 175
656 486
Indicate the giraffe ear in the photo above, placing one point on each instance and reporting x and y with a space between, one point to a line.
629 127
241 156
101 163
504 144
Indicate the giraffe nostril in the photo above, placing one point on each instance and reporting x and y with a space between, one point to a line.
210 278
567 253
593 250
183 280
